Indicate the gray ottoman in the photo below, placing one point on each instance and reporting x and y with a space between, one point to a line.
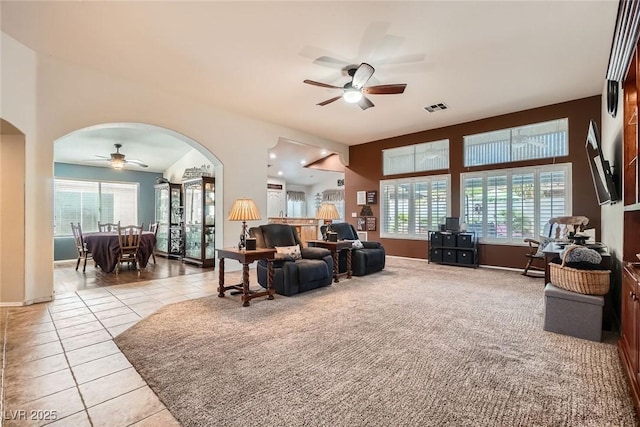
574 314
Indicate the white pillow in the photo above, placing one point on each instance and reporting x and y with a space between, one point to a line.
292 251
357 244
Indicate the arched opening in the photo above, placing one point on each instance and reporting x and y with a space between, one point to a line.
301 177
150 156
12 213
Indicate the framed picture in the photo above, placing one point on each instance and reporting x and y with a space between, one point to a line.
372 197
361 197
361 223
371 223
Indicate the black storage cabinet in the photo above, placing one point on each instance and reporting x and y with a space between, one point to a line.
453 248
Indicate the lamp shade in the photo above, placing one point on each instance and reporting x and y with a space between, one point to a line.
244 210
328 211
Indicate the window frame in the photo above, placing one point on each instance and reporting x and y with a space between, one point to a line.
412 181
100 184
510 172
516 132
415 157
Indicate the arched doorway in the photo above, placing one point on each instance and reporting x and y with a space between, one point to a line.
152 154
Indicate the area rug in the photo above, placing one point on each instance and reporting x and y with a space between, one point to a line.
417 344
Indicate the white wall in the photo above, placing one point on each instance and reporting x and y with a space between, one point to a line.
70 97
329 182
191 159
611 136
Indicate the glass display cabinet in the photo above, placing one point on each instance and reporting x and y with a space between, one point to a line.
168 214
199 221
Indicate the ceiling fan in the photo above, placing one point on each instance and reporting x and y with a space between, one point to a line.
353 91
118 161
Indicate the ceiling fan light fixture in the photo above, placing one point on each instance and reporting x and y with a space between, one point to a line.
117 164
117 159
352 96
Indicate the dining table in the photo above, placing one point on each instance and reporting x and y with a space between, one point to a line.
105 249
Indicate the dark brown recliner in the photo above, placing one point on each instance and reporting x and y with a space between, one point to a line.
291 276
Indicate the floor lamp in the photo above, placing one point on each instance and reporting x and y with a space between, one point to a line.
244 210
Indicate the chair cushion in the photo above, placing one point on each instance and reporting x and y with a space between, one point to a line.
292 251
312 270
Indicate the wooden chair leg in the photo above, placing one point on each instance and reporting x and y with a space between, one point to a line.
84 267
78 263
526 268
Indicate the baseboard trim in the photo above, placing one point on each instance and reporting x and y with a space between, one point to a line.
27 302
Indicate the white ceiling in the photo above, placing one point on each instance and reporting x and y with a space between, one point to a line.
482 58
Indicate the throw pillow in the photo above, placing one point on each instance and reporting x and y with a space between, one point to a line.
544 241
292 251
581 254
357 244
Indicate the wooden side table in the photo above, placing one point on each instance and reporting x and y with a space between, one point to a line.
246 257
335 248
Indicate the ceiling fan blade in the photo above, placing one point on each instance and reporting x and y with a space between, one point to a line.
329 101
384 89
102 157
137 162
96 160
328 61
314 83
365 103
362 75
403 59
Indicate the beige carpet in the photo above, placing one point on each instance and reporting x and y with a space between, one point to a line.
415 345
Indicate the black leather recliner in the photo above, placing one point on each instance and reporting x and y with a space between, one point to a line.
368 259
292 276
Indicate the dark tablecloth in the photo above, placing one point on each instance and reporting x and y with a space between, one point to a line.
105 249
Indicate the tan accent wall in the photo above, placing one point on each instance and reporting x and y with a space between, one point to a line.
12 231
365 172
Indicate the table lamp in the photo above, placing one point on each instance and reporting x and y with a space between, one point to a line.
244 210
328 212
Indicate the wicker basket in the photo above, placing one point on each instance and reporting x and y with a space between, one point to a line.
589 282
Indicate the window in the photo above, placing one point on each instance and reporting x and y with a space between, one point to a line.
535 141
508 205
296 204
88 202
416 158
412 207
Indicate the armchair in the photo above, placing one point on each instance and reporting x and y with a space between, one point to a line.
291 274
368 259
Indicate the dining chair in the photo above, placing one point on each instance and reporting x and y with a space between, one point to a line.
154 229
129 238
108 227
83 253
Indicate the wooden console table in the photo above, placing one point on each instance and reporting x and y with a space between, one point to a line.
335 248
246 257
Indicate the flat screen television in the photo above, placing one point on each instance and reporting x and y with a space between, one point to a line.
600 170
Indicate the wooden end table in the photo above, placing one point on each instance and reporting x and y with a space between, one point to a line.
335 248
246 257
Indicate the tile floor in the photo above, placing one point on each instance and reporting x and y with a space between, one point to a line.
62 368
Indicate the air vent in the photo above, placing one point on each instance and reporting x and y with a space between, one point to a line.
437 107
